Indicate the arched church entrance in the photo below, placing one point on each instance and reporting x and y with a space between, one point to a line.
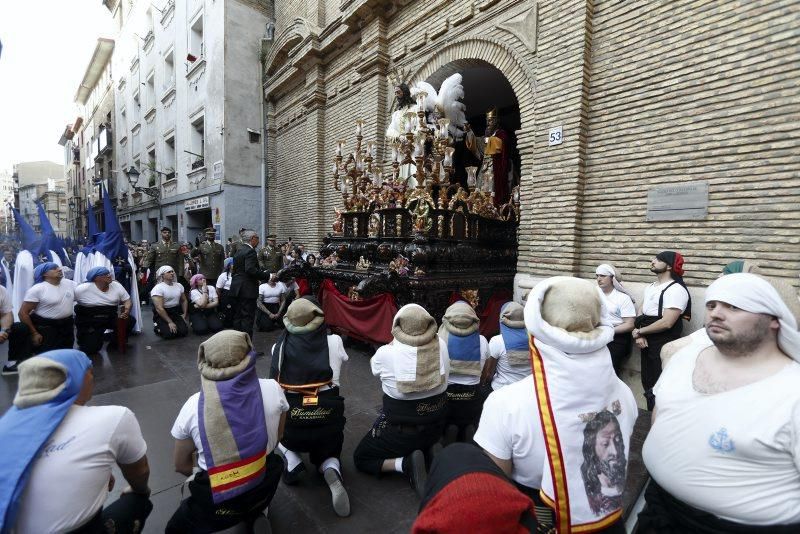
485 88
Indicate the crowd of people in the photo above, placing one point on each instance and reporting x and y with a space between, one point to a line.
527 431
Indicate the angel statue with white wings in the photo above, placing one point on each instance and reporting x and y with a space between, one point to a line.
444 103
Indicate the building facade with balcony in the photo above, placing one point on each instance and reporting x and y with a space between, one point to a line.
188 89
75 219
96 159
32 180
7 198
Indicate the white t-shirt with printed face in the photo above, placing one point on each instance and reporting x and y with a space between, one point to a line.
170 293
505 373
197 295
224 281
271 295
187 426
676 297
52 301
510 430
734 454
620 306
5 301
69 480
471 380
88 294
336 356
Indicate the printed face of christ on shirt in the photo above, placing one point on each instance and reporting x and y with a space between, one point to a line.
604 463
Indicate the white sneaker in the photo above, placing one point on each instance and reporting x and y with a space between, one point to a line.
339 497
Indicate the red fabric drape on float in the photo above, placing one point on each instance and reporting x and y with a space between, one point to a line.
369 319
490 315
303 286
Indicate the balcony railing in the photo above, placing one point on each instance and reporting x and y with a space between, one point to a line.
199 162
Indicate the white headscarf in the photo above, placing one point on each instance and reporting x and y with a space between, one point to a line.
606 269
755 294
161 270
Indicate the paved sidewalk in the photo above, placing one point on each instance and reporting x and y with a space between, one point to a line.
156 377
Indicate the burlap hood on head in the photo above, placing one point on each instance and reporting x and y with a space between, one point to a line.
224 355
569 314
415 328
304 315
413 325
40 381
513 315
460 319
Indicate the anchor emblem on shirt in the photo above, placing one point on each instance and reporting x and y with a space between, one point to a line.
720 441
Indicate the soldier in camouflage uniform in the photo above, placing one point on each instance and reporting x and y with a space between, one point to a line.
164 252
210 256
270 257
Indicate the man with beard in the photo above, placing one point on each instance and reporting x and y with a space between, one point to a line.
572 382
658 323
604 463
723 451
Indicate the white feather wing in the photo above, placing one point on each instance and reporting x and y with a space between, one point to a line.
449 100
431 97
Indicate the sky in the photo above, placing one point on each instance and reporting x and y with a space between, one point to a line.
47 45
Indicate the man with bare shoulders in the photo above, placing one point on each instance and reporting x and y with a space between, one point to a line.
723 451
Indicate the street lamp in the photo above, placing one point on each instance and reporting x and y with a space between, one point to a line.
71 219
154 192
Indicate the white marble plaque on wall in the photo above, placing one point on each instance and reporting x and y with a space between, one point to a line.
678 202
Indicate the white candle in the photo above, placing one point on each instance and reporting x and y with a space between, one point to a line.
359 126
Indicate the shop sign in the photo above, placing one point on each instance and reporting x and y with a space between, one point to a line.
198 203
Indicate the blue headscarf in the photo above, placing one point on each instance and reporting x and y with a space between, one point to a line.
38 272
95 272
227 263
513 338
25 430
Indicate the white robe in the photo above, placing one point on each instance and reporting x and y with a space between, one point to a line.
23 278
9 282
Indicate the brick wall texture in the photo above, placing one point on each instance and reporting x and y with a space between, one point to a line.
647 94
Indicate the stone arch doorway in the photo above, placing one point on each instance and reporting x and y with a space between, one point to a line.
485 87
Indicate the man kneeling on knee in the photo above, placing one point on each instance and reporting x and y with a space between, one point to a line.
233 424
100 302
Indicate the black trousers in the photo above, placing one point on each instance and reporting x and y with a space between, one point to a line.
199 514
385 441
263 321
651 360
126 514
664 514
620 349
225 308
464 405
244 314
90 324
205 321
161 327
56 334
322 439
